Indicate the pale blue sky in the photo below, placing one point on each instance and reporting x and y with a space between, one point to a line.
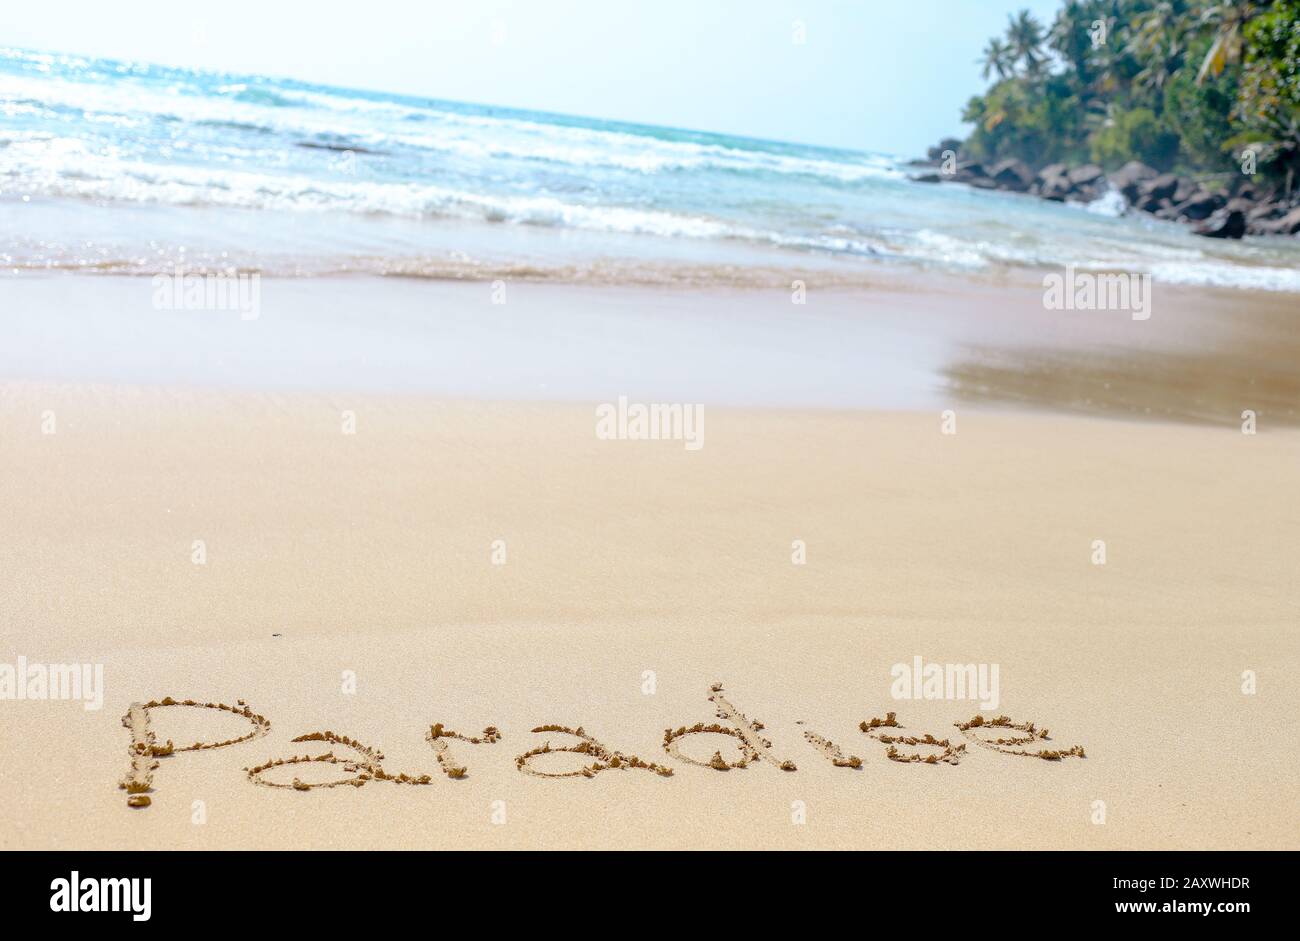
872 74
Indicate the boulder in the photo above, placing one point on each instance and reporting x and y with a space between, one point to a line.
1012 175
1266 211
1129 177
927 178
1160 187
1053 182
1224 224
1152 203
1086 175
1288 224
974 174
1200 205
1166 210
1186 190
1051 172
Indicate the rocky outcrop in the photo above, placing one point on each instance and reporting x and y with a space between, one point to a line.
1239 210
1199 205
1053 182
1157 189
1012 175
1227 223
1128 178
1286 224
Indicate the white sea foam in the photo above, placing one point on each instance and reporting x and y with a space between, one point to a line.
127 133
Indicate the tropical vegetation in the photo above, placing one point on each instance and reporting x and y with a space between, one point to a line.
1195 86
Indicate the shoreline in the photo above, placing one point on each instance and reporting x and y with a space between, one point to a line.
1202 356
978 234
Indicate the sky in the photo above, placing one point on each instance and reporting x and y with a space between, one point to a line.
863 74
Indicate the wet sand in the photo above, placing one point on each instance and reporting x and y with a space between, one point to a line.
908 343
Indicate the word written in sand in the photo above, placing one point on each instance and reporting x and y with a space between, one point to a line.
359 764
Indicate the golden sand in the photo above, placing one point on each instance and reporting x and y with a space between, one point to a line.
349 612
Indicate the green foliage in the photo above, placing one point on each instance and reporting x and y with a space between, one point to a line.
1201 117
1271 76
1177 84
1135 135
1035 121
1269 102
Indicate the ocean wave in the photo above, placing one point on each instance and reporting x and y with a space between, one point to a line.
1206 273
125 133
260 95
297 114
72 172
68 167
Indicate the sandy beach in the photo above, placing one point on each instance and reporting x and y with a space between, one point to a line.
471 553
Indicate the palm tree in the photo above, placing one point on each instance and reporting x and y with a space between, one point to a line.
1163 20
1228 17
1161 61
1025 36
1069 36
997 59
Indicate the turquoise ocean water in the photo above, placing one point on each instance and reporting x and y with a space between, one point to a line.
121 166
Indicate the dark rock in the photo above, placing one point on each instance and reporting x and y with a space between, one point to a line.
1265 211
974 174
1129 177
1012 175
927 178
1224 224
1161 187
1200 205
1185 191
1052 171
1086 175
1288 224
1152 203
1053 182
